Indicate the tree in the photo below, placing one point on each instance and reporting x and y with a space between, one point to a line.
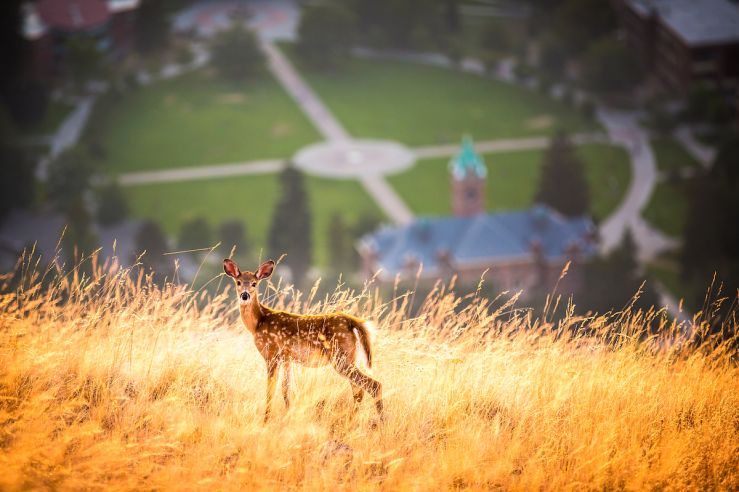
69 177
151 240
396 23
578 23
112 206
325 34
598 72
17 182
232 233
195 234
610 283
236 54
290 231
79 235
494 38
552 57
84 59
340 248
705 104
562 183
27 102
711 239
152 26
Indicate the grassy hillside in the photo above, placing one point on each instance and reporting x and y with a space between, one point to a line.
115 383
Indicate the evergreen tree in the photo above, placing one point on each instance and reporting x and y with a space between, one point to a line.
152 26
340 247
611 282
233 233
79 235
236 54
711 236
325 34
195 234
562 183
597 68
112 206
151 240
290 231
69 177
84 59
17 183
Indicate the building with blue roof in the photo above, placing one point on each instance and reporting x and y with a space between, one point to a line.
519 249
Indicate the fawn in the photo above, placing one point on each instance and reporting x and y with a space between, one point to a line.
310 340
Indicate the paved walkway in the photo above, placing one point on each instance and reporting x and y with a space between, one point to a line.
624 130
202 172
504 145
67 134
303 95
383 194
346 171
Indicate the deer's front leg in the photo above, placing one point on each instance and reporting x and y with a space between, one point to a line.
286 377
272 367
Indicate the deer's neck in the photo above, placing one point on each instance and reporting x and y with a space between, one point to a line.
251 315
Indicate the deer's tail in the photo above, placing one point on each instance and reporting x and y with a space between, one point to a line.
364 330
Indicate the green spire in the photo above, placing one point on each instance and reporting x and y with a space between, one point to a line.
467 161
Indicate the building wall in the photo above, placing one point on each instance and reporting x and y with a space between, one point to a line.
41 58
122 32
677 65
468 196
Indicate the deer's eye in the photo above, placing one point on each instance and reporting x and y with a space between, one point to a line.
238 282
253 284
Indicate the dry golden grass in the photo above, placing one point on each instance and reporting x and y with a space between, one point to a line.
115 383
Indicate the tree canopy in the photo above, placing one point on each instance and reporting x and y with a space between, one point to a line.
562 183
612 282
326 34
609 67
236 54
711 236
290 231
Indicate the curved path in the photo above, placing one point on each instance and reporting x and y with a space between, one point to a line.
624 130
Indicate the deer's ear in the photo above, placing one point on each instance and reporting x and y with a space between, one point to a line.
265 269
231 269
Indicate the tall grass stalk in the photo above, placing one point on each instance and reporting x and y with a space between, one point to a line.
110 381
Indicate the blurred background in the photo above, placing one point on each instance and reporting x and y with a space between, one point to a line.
397 142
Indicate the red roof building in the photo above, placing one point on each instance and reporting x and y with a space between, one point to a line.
49 23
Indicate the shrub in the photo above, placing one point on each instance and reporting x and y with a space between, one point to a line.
236 54
195 234
599 73
325 34
112 206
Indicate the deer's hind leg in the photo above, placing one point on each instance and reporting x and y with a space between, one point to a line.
360 383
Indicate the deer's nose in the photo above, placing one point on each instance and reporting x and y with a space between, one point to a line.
244 296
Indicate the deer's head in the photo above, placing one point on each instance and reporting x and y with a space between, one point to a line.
247 282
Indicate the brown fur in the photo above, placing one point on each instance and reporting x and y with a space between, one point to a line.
310 340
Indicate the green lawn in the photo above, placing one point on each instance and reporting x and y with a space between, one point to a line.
671 156
512 180
197 119
252 200
423 105
667 208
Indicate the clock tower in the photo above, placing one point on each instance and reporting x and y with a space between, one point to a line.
468 176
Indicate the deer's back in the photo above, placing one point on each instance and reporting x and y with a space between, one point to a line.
311 340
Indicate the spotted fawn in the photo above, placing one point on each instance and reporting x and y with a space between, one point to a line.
283 338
